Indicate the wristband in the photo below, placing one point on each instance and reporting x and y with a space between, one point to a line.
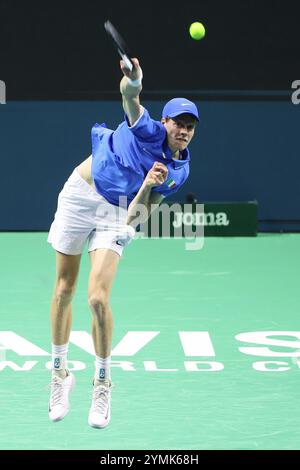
136 82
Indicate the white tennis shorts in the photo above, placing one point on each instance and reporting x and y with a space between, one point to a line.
84 215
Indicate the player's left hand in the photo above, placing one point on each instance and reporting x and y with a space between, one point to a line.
157 175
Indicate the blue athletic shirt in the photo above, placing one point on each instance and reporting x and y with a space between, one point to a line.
122 159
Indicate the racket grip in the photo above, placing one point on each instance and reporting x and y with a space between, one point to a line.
127 61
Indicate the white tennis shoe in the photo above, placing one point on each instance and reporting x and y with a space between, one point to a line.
59 405
99 415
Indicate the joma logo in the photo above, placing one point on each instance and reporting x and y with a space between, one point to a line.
196 218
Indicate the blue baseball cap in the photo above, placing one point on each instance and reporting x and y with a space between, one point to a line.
178 106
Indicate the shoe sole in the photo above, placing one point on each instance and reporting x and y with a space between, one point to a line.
97 426
60 418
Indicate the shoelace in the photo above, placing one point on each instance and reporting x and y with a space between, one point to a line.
56 391
101 395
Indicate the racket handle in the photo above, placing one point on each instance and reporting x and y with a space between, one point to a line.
127 61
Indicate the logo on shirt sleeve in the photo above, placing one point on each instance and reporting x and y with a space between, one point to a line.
171 183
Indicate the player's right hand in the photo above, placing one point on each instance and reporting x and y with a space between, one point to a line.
157 175
135 73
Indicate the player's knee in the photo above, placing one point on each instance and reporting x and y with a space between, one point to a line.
64 291
99 302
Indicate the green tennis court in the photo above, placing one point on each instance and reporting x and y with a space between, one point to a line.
181 380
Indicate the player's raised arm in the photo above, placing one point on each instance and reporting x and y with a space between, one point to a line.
131 87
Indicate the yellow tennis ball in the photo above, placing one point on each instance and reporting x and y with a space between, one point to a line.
197 31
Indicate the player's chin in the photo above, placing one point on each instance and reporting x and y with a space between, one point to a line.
181 144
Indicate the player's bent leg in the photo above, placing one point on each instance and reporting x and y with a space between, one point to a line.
104 268
67 267
62 381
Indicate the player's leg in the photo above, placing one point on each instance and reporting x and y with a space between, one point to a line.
63 381
73 223
67 267
104 267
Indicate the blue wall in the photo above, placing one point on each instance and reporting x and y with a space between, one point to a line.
242 151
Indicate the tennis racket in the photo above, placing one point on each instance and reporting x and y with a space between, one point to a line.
119 43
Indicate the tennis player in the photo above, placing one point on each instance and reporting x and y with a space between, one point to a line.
141 162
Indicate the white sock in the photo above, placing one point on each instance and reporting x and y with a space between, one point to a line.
102 368
59 356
